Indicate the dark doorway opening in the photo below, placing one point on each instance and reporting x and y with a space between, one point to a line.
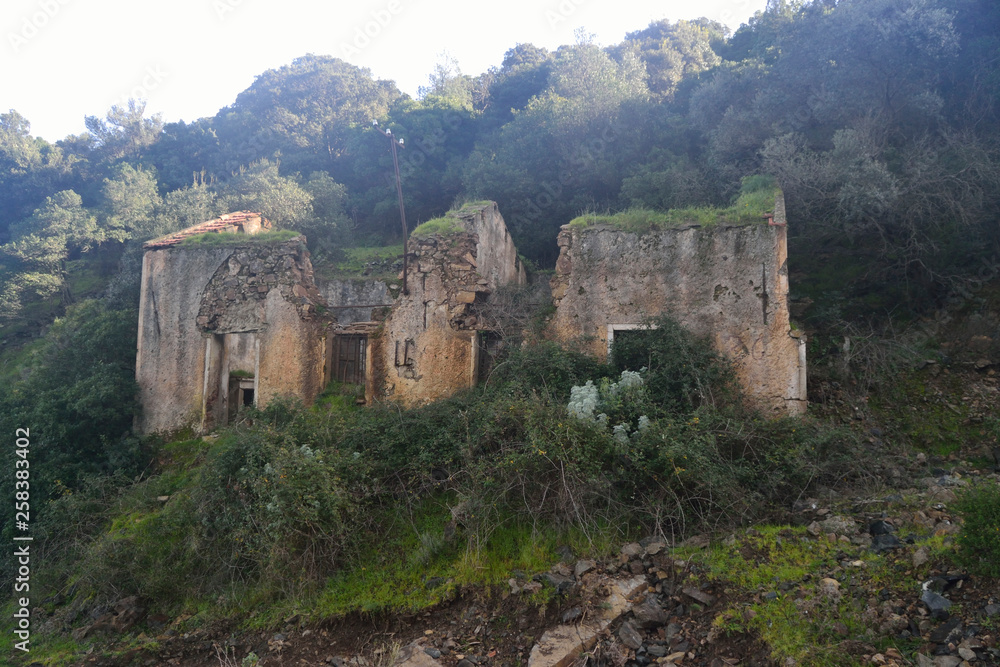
241 393
490 346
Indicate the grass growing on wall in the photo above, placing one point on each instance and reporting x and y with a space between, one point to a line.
449 223
211 239
362 263
444 226
756 198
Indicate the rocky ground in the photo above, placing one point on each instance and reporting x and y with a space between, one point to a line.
870 580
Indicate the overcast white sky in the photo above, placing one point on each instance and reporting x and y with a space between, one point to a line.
61 60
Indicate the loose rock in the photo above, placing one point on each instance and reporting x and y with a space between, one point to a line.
649 614
583 567
630 636
935 602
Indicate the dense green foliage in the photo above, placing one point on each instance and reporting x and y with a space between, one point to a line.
77 397
890 149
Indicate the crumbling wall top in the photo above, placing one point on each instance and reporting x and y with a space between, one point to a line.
240 222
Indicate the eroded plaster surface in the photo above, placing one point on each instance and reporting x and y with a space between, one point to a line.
209 314
728 283
428 348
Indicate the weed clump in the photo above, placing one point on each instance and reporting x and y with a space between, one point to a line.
979 541
445 226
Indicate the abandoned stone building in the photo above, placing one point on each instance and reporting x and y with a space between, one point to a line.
422 340
238 319
727 282
230 317
225 324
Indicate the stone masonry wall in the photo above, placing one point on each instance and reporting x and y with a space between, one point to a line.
206 312
726 282
235 297
428 347
351 299
171 349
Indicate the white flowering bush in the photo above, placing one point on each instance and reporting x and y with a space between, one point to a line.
583 401
628 380
593 403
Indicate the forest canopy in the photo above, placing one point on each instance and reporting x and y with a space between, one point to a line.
877 117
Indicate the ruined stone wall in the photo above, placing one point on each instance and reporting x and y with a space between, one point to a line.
170 362
350 299
428 346
208 312
726 282
496 257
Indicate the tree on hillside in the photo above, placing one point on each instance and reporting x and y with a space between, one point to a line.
447 83
187 151
259 187
34 261
672 52
131 201
188 206
561 154
19 152
125 131
303 112
523 74
761 38
30 170
439 133
328 228
79 396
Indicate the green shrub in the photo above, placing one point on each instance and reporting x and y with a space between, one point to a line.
147 552
683 372
273 507
979 540
544 368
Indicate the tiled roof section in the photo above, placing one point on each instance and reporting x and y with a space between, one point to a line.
229 223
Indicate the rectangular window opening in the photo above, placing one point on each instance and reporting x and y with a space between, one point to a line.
623 331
